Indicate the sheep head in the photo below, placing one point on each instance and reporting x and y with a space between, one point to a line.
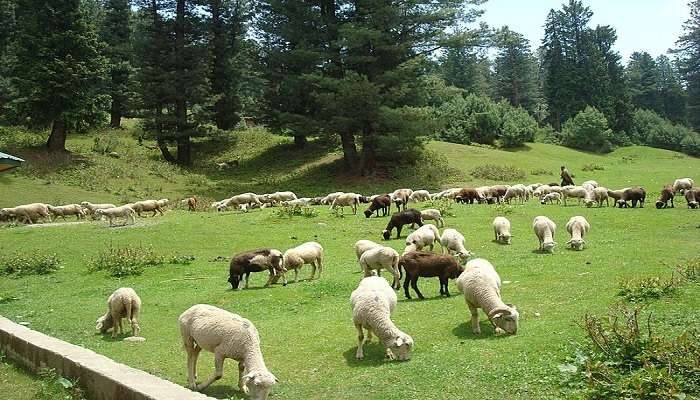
548 246
368 213
505 318
257 384
386 234
576 244
104 323
693 204
464 256
401 347
504 238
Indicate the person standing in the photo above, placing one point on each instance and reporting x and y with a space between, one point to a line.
565 177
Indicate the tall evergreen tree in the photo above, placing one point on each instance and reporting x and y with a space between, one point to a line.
116 33
7 37
672 97
642 80
688 52
515 69
58 68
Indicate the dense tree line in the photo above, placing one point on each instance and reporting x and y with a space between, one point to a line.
377 76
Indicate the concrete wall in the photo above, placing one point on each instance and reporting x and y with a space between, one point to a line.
100 377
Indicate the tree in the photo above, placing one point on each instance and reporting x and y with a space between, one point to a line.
672 97
518 127
643 80
58 68
515 69
688 53
7 36
116 33
588 130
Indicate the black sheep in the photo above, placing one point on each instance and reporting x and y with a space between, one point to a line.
254 261
399 219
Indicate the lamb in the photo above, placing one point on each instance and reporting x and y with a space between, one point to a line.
542 190
481 287
401 197
277 197
667 194
124 302
382 203
596 196
578 192
577 228
434 215
227 335
381 257
683 184
295 258
69 209
399 219
124 211
452 242
635 195
501 230
551 197
347 199
424 264
27 213
424 236
255 261
468 195
90 208
516 191
147 205
545 229
372 304
692 196
420 196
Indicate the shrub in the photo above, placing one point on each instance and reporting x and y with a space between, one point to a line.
654 287
540 171
690 271
53 386
285 210
444 205
19 264
106 142
691 144
125 261
588 130
518 127
498 172
592 167
16 137
469 119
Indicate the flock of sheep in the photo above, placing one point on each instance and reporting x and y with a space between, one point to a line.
229 335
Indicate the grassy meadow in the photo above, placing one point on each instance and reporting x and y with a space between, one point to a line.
308 338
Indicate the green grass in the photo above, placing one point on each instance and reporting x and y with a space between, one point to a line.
308 338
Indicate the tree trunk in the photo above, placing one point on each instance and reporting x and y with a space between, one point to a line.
183 138
115 118
369 154
300 141
184 151
57 139
165 151
349 151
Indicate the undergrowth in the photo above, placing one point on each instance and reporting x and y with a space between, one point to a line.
125 261
20 264
505 173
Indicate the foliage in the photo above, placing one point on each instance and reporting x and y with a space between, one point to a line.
688 58
131 260
588 130
651 129
54 387
690 271
592 167
654 287
516 70
105 143
17 137
518 127
444 205
540 171
504 173
21 264
285 210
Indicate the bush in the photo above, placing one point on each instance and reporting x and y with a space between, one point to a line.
469 119
588 130
592 167
498 172
518 127
691 144
125 261
20 264
654 287
540 171
15 137
444 205
290 211
105 142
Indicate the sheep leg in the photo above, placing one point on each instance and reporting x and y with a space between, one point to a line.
192 355
476 329
443 286
218 373
319 262
241 369
129 317
247 276
313 271
398 231
269 280
360 342
406 282
117 326
414 285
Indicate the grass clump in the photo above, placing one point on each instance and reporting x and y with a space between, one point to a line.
654 287
55 387
540 171
287 211
125 261
19 264
498 172
592 167
444 205
690 271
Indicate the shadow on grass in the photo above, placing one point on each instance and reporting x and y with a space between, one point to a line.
464 331
417 300
375 355
224 391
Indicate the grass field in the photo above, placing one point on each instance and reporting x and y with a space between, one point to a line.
308 338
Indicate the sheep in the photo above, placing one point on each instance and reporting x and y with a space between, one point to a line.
382 203
468 195
192 203
551 197
424 264
533 186
616 194
501 230
27 212
277 197
372 304
227 335
481 287
401 197
542 190
420 196
635 195
596 196
124 302
362 246
434 215
124 211
426 235
295 258
163 202
683 184
692 196
380 257
577 227
244 198
328 200
516 191
667 194
346 199
589 185
578 192
147 205
446 194
497 192
90 208
452 242
302 201
399 219
255 261
545 229
69 209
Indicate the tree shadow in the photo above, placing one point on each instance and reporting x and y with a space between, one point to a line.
464 331
519 149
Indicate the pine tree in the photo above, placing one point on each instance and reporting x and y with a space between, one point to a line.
642 80
116 33
7 37
516 69
58 68
672 97
688 53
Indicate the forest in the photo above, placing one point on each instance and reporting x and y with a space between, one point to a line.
379 78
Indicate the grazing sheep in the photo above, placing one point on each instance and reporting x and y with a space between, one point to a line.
302 201
545 229
635 195
518 191
667 194
295 258
277 197
381 257
29 213
346 199
399 219
328 200
124 302
227 335
147 205
501 230
682 184
363 245
255 261
372 304
238 200
428 265
446 194
616 194
69 209
542 190
596 196
401 197
589 185
434 215
192 203
382 203
692 196
468 195
124 211
578 192
497 192
551 197
577 228
424 236
481 287
420 195
452 242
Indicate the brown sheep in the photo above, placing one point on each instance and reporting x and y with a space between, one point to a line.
382 203
467 195
667 194
497 191
692 196
192 203
425 264
255 261
635 195
399 219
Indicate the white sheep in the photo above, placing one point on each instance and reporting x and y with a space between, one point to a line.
683 184
483 192
328 200
147 205
372 304
597 196
302 201
551 197
346 199
401 197
363 245
250 199
452 242
381 257
518 191
434 215
90 208
590 185
306 253
123 303
578 192
424 236
27 212
577 228
481 286
124 211
68 209
227 335
545 229
501 230
420 195
542 190
278 197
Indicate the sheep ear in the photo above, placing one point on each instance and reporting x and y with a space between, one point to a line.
399 341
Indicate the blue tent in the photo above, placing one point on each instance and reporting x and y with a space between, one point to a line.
8 162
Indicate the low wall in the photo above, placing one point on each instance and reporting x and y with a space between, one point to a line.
100 377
